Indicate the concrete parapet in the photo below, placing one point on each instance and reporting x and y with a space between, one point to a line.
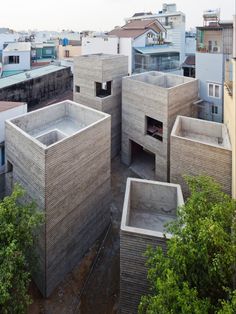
148 206
200 147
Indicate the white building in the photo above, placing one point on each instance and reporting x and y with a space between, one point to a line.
7 38
17 56
8 110
129 40
174 23
214 47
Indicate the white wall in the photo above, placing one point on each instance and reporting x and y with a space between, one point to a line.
6 38
5 115
25 60
107 45
190 45
10 114
127 50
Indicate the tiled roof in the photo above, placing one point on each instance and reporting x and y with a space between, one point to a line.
136 28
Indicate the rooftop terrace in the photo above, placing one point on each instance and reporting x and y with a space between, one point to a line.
149 205
161 79
101 56
52 124
205 132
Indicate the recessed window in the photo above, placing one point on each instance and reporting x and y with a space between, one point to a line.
214 110
103 89
67 53
13 59
214 90
9 166
154 128
77 89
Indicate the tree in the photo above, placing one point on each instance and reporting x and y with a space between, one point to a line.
18 226
197 273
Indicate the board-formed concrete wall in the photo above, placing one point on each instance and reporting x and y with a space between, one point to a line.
161 97
34 90
195 151
69 180
101 68
147 204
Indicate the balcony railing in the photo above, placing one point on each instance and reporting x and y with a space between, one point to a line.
208 49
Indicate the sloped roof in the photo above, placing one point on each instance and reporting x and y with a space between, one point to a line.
189 61
137 28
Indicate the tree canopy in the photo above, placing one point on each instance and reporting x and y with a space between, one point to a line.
197 273
18 225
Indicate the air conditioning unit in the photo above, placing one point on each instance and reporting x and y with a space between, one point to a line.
216 49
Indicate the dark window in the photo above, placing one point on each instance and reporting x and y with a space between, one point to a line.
77 89
103 89
9 166
214 110
67 53
154 128
2 155
13 59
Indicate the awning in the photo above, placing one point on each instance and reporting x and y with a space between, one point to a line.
155 49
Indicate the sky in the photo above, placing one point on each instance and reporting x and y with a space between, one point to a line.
99 15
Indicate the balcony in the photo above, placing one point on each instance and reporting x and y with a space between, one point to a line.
208 48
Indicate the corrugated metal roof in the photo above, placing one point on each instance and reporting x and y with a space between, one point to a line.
18 78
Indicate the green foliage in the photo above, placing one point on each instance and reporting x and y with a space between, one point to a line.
197 273
18 225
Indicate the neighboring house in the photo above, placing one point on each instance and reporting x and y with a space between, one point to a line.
230 107
174 23
8 110
7 38
37 85
68 48
189 64
43 52
214 47
190 43
132 40
17 56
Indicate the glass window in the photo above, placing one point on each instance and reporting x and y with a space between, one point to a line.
217 91
211 90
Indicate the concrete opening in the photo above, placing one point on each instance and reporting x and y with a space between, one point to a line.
77 89
103 89
51 137
154 128
9 166
142 161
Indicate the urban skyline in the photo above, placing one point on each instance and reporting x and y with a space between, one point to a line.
100 16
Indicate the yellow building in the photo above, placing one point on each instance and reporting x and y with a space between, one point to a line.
230 107
68 51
